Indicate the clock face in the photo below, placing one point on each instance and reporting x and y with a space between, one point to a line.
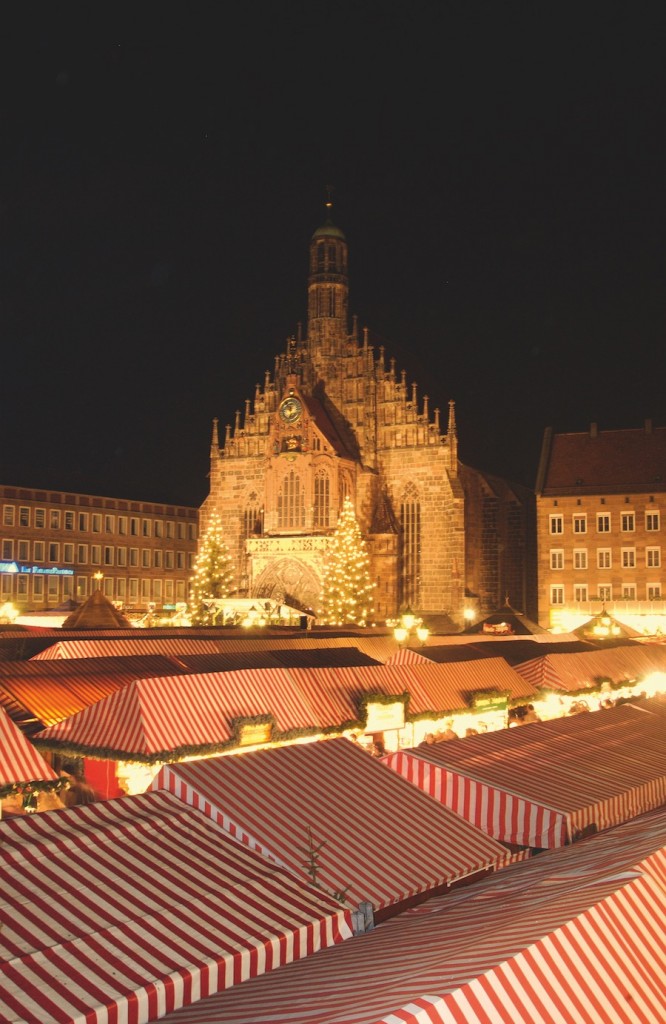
290 409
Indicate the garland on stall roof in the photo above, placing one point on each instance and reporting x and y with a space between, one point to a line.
28 788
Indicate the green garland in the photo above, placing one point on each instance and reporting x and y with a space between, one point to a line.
28 788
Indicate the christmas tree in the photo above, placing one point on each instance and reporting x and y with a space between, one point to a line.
346 586
213 574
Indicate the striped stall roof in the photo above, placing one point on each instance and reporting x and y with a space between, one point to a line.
19 761
574 672
449 686
151 716
126 909
574 935
544 783
383 840
54 690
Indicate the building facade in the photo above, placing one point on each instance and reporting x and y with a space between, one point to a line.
54 545
600 527
335 418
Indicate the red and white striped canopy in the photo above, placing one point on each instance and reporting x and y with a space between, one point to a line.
542 784
574 935
122 910
384 840
575 672
19 761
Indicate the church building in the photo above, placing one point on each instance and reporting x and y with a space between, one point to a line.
336 418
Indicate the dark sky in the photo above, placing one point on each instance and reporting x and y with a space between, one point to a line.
498 169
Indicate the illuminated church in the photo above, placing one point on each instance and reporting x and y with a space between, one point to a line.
336 418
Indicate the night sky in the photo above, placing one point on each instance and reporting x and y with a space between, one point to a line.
498 169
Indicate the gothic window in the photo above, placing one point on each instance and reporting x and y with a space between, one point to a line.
322 491
253 521
410 520
291 503
331 302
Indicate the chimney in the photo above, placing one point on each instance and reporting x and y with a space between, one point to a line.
648 426
594 430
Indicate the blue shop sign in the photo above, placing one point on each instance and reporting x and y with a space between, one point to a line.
34 570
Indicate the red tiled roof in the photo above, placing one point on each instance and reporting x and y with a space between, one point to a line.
612 461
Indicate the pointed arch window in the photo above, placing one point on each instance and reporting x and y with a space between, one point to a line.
410 568
322 499
291 503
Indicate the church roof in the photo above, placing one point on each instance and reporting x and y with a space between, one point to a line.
326 426
329 230
96 613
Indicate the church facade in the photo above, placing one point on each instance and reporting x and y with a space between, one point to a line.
336 418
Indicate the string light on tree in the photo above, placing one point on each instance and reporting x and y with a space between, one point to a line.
213 574
346 586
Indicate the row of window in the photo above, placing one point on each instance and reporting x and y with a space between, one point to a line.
53 589
604 592
94 554
603 521
96 522
604 558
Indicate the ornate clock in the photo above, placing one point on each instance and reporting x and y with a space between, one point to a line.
290 409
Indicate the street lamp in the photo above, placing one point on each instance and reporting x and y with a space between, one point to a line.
410 625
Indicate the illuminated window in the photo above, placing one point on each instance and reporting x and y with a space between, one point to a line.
580 523
121 556
321 499
22 586
38 551
83 522
40 518
96 522
6 584
67 587
108 555
134 557
557 595
145 589
159 528
81 586
53 589
54 519
8 515
168 560
180 559
191 531
157 591
557 524
7 550
253 520
121 589
653 558
654 591
410 569
23 550
134 527
145 528
605 592
109 524
603 522
580 558
580 592
628 522
145 558
169 530
24 516
157 558
629 591
168 590
122 526
96 554
652 521
557 558
82 554
291 503
628 558
604 558
107 586
133 590
68 554
69 520
38 588
54 552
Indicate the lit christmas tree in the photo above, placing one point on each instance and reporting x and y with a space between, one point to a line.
213 574
346 587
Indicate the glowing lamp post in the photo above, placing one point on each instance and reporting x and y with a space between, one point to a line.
410 626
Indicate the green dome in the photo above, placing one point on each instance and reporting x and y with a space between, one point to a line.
329 230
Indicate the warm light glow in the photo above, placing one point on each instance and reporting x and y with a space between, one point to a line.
469 614
422 633
401 634
8 612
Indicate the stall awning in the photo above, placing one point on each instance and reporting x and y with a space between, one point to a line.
19 761
544 783
383 840
574 672
529 945
125 909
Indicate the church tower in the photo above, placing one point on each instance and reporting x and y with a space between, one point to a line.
328 293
